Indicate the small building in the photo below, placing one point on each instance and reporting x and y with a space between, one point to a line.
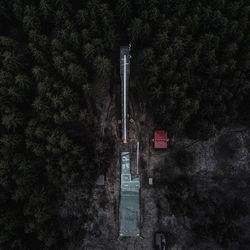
160 139
150 181
100 180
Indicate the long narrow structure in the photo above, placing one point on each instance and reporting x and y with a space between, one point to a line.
124 73
129 200
129 209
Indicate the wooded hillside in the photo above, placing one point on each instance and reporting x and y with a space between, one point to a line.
191 65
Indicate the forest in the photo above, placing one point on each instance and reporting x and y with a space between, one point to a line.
58 59
215 203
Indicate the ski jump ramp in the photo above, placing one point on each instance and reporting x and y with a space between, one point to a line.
129 209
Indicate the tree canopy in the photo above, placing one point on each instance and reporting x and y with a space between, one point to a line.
191 62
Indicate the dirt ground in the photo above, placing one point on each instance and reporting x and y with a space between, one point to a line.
211 155
104 230
227 152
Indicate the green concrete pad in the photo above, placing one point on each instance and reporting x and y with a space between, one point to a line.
129 214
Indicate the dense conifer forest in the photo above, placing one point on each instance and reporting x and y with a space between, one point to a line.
191 66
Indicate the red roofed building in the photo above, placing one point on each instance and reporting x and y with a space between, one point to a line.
160 139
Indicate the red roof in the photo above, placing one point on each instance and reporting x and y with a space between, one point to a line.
160 139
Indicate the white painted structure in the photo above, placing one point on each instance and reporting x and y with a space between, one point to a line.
124 73
125 99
